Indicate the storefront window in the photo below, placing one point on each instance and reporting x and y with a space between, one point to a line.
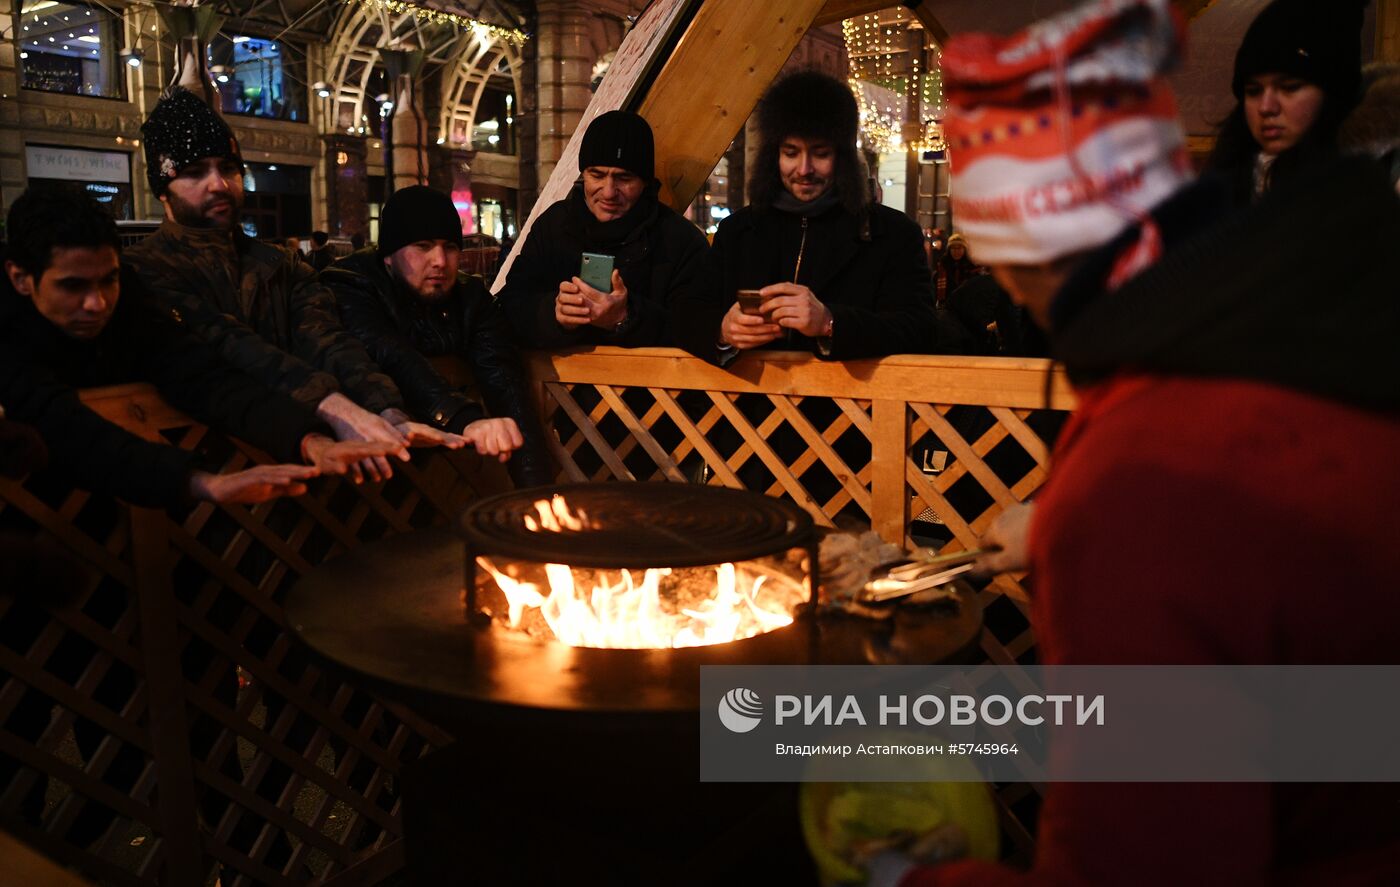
259 78
276 201
104 176
494 129
71 48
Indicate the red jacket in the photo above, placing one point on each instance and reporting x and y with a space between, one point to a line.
1192 521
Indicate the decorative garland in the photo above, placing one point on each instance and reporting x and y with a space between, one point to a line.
872 45
438 17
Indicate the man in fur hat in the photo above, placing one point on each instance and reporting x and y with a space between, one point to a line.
839 274
259 305
657 255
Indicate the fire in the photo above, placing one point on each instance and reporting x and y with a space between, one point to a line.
634 614
638 609
556 517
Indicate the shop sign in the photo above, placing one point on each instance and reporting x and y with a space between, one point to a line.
45 162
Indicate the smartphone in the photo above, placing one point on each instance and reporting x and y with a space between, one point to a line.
596 271
750 300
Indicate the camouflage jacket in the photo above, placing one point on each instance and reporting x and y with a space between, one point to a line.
262 308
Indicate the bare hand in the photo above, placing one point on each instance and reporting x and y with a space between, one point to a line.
1009 532
351 422
494 437
571 309
794 307
745 331
353 457
419 435
606 310
260 483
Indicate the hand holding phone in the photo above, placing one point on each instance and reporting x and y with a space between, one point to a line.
751 301
596 270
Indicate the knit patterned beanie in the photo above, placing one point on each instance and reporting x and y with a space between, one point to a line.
181 130
1065 134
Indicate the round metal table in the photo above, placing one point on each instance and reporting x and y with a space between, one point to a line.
594 752
392 612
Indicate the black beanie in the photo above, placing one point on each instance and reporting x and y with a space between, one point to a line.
181 130
809 105
1319 43
417 213
621 139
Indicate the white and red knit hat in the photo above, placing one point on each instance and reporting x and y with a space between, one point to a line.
1066 133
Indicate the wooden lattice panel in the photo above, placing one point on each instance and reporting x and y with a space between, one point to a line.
167 662
267 765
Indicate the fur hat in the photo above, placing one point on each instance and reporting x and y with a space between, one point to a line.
1374 126
417 213
1298 37
181 129
620 139
813 106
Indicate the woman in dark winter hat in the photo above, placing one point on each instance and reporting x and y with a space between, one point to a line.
1297 76
954 269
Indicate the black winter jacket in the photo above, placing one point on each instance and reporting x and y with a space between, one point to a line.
661 259
401 331
43 370
877 285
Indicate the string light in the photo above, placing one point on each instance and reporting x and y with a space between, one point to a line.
439 17
880 52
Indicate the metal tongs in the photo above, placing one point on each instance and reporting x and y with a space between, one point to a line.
903 578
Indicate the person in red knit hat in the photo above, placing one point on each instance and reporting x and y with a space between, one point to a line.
1229 476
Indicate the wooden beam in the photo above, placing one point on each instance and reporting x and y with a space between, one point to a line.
839 10
924 13
1388 31
723 64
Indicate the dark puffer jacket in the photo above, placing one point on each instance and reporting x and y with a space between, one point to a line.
875 280
401 331
659 254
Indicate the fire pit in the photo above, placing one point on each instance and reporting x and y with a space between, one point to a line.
576 728
637 566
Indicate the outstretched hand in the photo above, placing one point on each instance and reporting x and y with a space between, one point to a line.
352 422
419 435
349 457
251 486
494 437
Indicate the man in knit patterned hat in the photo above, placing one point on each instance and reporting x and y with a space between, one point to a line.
257 304
1225 413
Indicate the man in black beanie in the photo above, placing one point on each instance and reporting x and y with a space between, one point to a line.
257 304
839 274
406 302
657 256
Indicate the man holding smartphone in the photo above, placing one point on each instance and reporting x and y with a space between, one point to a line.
814 263
604 265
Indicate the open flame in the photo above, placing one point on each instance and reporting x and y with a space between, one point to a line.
654 608
632 613
557 517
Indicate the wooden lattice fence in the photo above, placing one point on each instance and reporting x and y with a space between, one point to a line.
159 725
